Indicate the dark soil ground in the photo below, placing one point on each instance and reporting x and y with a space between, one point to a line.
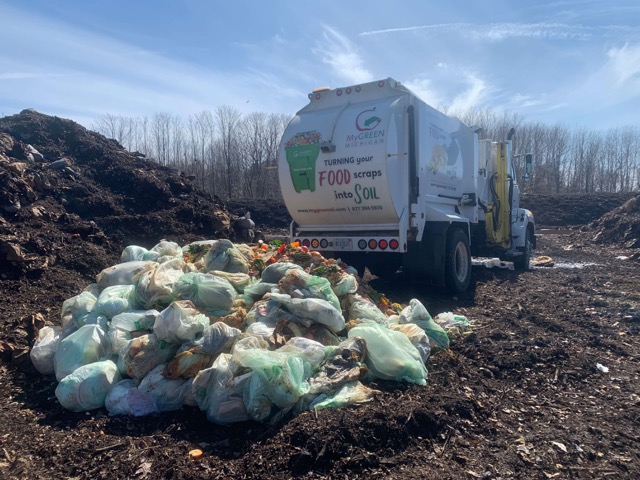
522 396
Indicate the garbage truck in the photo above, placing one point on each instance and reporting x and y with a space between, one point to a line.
373 175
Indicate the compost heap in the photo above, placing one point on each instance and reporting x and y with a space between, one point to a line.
243 332
71 197
620 226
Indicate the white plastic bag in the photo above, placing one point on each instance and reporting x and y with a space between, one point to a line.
312 310
116 402
217 338
452 321
167 395
122 273
417 336
167 251
154 288
145 353
44 348
180 322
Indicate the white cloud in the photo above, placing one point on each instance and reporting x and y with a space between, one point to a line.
26 75
519 101
342 55
616 82
504 31
624 66
423 88
454 26
555 31
473 96
469 91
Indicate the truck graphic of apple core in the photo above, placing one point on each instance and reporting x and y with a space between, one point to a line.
302 152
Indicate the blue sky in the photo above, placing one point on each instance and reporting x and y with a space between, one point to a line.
576 62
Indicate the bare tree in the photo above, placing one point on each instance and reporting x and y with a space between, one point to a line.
239 155
227 119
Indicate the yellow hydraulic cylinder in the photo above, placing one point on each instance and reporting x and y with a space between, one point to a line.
498 226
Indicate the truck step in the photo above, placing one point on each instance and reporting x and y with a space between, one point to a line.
491 263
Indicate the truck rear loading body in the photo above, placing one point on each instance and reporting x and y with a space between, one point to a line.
379 178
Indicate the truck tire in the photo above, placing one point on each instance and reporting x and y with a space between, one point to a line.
457 270
523 262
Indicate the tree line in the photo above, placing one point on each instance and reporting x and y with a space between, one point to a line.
233 155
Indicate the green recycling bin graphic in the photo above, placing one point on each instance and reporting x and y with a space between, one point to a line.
302 152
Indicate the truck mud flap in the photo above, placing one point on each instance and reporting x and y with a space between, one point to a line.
426 259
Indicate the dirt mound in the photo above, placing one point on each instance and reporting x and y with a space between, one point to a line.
571 209
620 226
268 213
70 196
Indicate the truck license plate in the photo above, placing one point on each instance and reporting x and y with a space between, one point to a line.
343 244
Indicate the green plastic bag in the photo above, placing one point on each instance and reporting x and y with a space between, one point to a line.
134 253
88 344
300 284
274 272
226 257
354 393
219 392
347 284
87 387
416 313
257 291
214 294
390 355
239 280
116 299
361 309
78 309
284 374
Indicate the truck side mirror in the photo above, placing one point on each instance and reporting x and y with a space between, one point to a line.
528 166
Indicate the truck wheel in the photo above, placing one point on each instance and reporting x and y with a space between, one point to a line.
523 262
457 269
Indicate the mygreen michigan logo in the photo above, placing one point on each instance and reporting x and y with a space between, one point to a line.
367 120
